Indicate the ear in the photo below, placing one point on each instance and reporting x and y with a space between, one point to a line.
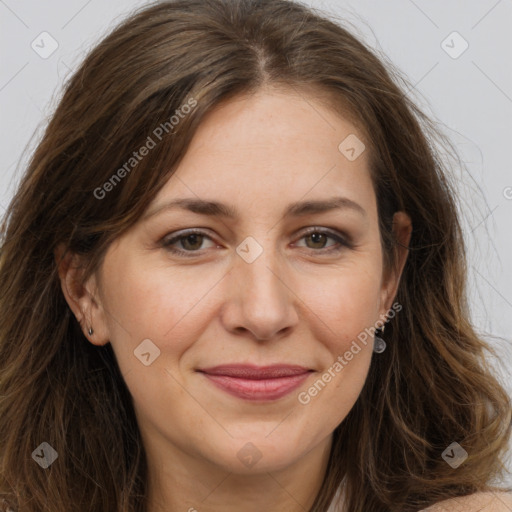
81 298
402 230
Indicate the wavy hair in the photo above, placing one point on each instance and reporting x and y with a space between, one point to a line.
431 386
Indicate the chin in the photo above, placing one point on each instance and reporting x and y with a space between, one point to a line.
262 453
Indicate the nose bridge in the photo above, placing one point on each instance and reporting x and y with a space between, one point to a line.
259 266
263 304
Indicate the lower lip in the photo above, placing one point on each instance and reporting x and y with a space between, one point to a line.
258 390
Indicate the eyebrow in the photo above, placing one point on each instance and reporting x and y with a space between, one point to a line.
298 209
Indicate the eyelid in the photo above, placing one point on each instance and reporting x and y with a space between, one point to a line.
344 240
174 237
328 231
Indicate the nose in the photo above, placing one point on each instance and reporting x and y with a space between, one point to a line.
260 299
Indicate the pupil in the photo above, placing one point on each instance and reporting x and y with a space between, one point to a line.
317 238
193 239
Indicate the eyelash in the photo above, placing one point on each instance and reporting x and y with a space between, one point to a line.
342 241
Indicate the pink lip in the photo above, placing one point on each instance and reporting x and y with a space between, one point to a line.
257 382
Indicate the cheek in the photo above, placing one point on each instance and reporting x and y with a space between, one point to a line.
342 313
162 304
345 302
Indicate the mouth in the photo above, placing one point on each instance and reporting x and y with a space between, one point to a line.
257 383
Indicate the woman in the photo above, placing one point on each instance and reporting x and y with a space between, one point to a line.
231 201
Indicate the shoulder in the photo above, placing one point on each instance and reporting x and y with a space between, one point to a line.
478 502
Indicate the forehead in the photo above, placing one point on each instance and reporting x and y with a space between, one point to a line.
276 146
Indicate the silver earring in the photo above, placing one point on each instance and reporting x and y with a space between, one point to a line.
90 331
379 345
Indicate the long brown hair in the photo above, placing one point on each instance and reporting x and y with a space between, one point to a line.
430 387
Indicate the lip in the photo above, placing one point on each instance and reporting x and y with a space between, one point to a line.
257 383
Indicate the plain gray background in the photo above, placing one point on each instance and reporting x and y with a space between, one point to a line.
468 93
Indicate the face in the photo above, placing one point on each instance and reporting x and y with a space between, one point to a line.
230 330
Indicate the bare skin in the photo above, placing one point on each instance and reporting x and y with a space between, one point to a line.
478 502
302 301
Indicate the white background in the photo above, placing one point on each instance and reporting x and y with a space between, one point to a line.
470 97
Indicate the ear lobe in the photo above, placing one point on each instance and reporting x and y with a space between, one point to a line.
80 300
402 231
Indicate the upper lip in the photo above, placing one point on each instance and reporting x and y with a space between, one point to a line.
245 371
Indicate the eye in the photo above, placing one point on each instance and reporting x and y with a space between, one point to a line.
190 241
319 238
